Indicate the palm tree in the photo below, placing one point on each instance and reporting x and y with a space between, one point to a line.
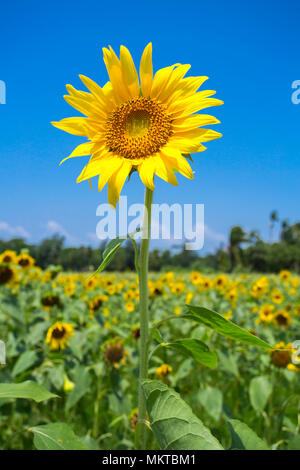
236 238
273 220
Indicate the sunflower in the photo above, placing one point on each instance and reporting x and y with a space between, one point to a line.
285 275
25 261
163 370
58 335
282 318
114 352
265 313
7 274
8 256
145 124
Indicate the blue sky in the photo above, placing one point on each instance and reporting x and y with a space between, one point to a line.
250 51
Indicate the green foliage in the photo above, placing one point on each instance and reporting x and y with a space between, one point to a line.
244 438
224 327
173 423
195 349
29 390
56 436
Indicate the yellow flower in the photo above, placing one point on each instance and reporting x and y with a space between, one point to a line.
297 310
266 313
177 310
58 335
25 261
146 125
129 306
8 256
96 303
295 282
282 318
68 384
285 275
220 281
70 288
163 370
277 296
282 356
91 283
7 274
228 315
189 297
111 290
196 277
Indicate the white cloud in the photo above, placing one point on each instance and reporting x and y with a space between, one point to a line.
11 231
215 236
54 227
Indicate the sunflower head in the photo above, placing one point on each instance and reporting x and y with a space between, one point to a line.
114 352
25 261
8 256
282 318
139 122
58 335
163 371
7 273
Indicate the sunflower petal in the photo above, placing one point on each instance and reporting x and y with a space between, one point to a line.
116 183
114 70
146 171
82 150
129 72
178 162
164 170
146 71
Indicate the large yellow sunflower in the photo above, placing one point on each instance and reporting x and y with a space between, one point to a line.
146 125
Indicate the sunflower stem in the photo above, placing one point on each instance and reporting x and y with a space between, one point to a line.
144 318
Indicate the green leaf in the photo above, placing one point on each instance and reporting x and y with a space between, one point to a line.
196 349
110 251
242 437
25 361
173 422
212 400
260 390
294 443
82 385
228 363
222 326
56 436
28 389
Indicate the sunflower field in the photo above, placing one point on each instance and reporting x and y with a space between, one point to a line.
69 378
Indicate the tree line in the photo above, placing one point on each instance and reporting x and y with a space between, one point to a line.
245 251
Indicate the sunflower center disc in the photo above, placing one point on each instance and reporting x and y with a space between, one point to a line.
138 128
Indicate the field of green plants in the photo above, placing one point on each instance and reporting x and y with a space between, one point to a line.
71 373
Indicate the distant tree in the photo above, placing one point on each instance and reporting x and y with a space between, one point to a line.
273 220
237 236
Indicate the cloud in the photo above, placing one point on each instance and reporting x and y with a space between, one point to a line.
54 227
11 231
214 236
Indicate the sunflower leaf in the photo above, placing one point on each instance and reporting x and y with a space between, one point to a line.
56 436
28 389
222 326
172 421
110 250
196 349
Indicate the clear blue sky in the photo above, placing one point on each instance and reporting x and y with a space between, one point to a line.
250 51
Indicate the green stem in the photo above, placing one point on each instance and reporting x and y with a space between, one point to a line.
144 318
